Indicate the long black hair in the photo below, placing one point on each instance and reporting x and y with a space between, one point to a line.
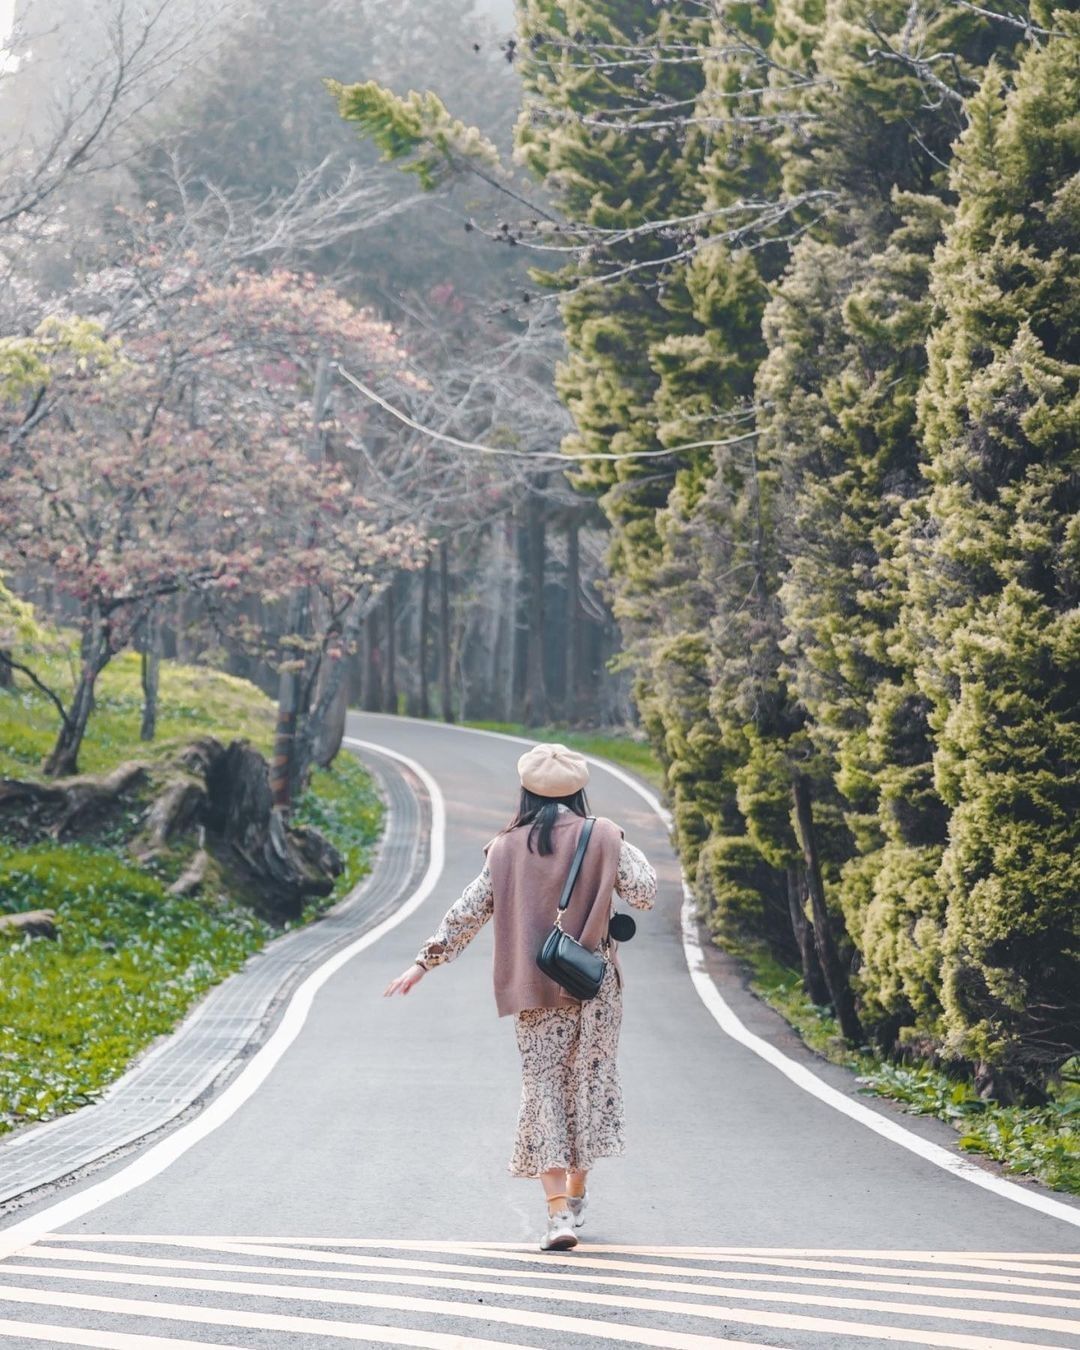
540 814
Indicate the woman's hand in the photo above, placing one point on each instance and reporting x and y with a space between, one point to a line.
405 981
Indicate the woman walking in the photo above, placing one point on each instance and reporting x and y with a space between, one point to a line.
571 1099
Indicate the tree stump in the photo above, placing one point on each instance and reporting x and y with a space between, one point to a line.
223 792
288 865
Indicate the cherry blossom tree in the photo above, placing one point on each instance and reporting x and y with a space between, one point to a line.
195 460
326 549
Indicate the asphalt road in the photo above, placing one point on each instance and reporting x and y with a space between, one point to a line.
361 1193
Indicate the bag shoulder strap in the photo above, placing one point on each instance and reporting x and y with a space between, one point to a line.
575 866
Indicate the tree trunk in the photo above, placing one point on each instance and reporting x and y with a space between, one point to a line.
288 710
363 669
573 620
283 774
63 759
150 668
329 727
7 675
535 702
168 629
424 637
467 639
390 697
835 976
373 681
331 699
813 981
506 657
185 647
494 640
444 634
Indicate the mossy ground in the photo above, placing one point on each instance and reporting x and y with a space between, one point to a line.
131 960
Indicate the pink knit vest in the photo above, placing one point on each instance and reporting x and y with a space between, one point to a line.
526 890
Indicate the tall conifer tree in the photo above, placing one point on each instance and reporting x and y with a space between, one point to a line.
992 617
846 332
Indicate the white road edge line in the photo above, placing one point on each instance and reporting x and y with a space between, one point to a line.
729 1022
161 1155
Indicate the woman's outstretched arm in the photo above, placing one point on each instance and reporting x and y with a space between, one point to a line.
635 881
461 923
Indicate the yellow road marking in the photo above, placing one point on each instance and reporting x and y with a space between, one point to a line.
582 1257
623 1299
936 1255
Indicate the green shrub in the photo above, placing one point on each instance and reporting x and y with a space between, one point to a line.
1041 1141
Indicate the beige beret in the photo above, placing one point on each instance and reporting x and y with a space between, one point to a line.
553 771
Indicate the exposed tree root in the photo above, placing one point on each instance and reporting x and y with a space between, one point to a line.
65 806
30 923
180 804
191 879
222 792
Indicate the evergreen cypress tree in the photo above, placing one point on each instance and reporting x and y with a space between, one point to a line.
846 333
580 72
993 571
661 357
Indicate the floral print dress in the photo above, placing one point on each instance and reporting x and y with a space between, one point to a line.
571 1109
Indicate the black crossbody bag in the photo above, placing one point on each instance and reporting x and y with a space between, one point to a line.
561 957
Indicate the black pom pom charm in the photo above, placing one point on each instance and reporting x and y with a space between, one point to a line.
621 927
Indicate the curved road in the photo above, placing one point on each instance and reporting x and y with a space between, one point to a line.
361 1194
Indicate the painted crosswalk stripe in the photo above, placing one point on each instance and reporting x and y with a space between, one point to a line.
106 1340
623 1299
488 1312
350 1330
929 1257
581 1258
228 1317
376 1263
448 1293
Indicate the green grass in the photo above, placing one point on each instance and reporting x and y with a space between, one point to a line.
620 747
131 960
193 701
1037 1141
